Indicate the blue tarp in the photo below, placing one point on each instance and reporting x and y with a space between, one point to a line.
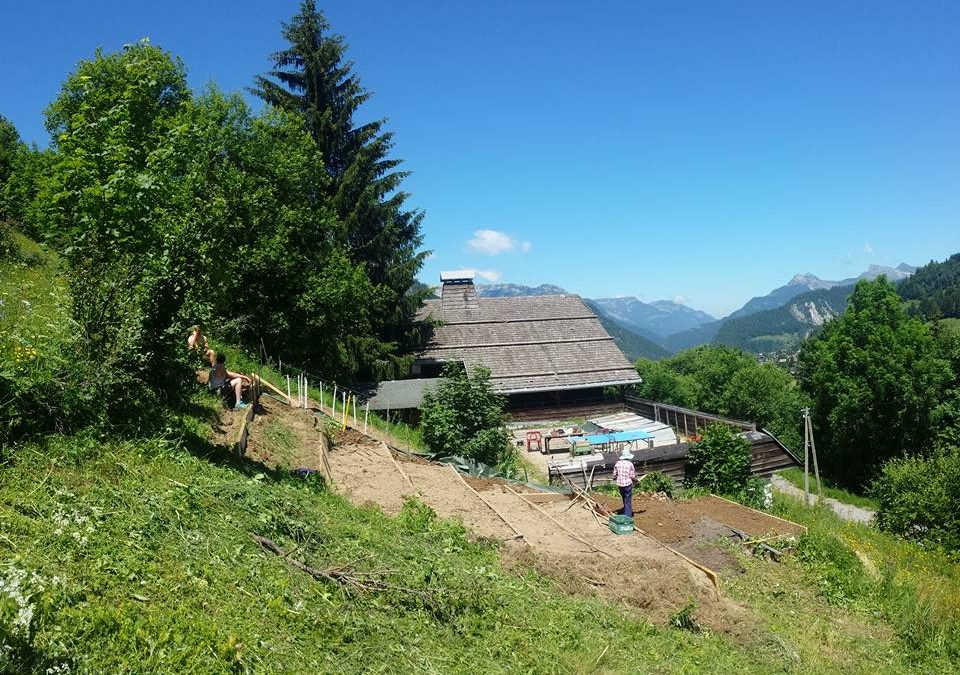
615 437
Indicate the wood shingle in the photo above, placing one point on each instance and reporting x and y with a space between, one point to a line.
530 343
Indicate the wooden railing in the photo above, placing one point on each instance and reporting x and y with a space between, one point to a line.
682 419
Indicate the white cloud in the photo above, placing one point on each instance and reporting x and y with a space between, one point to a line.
492 276
494 242
868 249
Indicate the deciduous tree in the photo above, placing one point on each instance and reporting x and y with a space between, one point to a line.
874 377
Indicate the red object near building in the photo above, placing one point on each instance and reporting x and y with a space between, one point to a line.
534 441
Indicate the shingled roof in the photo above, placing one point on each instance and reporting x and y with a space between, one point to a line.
531 343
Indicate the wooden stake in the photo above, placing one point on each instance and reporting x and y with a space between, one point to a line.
366 415
806 458
355 425
396 464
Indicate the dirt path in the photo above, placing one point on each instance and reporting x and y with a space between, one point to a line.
848 512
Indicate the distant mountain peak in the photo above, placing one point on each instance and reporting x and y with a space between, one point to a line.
805 279
908 269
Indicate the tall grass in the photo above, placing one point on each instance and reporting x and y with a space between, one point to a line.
915 588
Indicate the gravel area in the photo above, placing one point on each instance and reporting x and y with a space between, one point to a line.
849 512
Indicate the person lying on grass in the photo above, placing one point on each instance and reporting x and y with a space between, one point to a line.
197 344
220 378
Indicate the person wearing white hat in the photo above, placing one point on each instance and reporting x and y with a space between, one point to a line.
623 475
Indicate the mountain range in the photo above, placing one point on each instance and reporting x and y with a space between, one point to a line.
778 320
804 283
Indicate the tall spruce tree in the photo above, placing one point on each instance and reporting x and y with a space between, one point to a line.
312 78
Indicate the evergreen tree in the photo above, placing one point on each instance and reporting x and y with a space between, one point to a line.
312 78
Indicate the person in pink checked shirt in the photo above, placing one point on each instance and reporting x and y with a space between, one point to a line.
623 475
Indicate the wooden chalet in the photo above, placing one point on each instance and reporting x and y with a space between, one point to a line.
542 351
548 354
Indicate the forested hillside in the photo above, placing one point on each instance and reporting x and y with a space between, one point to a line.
784 327
934 289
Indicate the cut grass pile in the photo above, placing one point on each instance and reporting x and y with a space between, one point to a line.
795 476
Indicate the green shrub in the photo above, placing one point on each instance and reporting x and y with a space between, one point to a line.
918 498
465 417
720 462
656 481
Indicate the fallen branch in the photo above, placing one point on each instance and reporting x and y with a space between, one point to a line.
358 581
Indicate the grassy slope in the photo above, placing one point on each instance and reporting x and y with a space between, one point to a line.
144 551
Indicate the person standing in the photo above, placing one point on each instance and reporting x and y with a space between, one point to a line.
623 475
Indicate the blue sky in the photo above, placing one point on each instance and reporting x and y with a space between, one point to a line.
699 151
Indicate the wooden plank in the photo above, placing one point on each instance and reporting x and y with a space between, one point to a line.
561 525
240 445
272 388
544 497
325 467
397 464
489 505
711 575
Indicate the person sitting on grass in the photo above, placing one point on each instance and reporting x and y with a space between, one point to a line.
221 379
623 475
197 344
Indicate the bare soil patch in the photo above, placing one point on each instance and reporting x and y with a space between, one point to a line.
695 527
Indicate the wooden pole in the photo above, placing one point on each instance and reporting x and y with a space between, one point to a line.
366 415
321 395
813 451
333 412
355 425
346 409
806 458
289 398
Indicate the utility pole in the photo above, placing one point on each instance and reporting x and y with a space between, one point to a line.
809 448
